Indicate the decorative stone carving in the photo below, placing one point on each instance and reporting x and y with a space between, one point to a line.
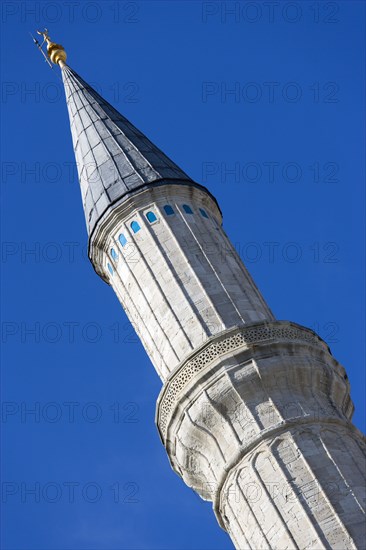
216 348
261 409
248 402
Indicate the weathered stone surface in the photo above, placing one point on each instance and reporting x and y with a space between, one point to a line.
179 278
255 414
261 427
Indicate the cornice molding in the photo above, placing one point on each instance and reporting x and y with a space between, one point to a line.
125 207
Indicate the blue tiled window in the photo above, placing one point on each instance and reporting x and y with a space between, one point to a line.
168 210
122 239
110 268
203 213
187 209
135 226
151 217
114 255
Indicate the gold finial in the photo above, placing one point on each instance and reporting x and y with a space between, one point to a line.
55 51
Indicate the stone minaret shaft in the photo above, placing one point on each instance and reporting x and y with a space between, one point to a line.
255 414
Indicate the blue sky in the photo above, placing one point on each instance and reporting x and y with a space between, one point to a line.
264 106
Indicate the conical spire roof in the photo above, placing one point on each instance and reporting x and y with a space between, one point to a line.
114 159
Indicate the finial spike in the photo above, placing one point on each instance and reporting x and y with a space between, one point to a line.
55 51
39 46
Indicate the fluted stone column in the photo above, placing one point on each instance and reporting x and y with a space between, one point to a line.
179 278
255 414
258 421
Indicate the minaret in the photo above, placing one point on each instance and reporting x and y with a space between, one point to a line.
255 413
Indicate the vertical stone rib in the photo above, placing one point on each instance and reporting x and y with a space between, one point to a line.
333 512
195 276
306 510
174 276
237 542
248 277
146 331
339 470
154 281
270 502
264 542
248 290
147 303
241 320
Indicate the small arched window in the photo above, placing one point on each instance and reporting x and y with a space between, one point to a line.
135 226
187 209
122 239
168 210
151 217
114 255
110 268
203 213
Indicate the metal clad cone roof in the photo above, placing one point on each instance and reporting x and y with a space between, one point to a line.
113 157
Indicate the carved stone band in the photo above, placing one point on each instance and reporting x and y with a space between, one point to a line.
220 345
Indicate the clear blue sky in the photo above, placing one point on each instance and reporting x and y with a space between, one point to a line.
277 96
